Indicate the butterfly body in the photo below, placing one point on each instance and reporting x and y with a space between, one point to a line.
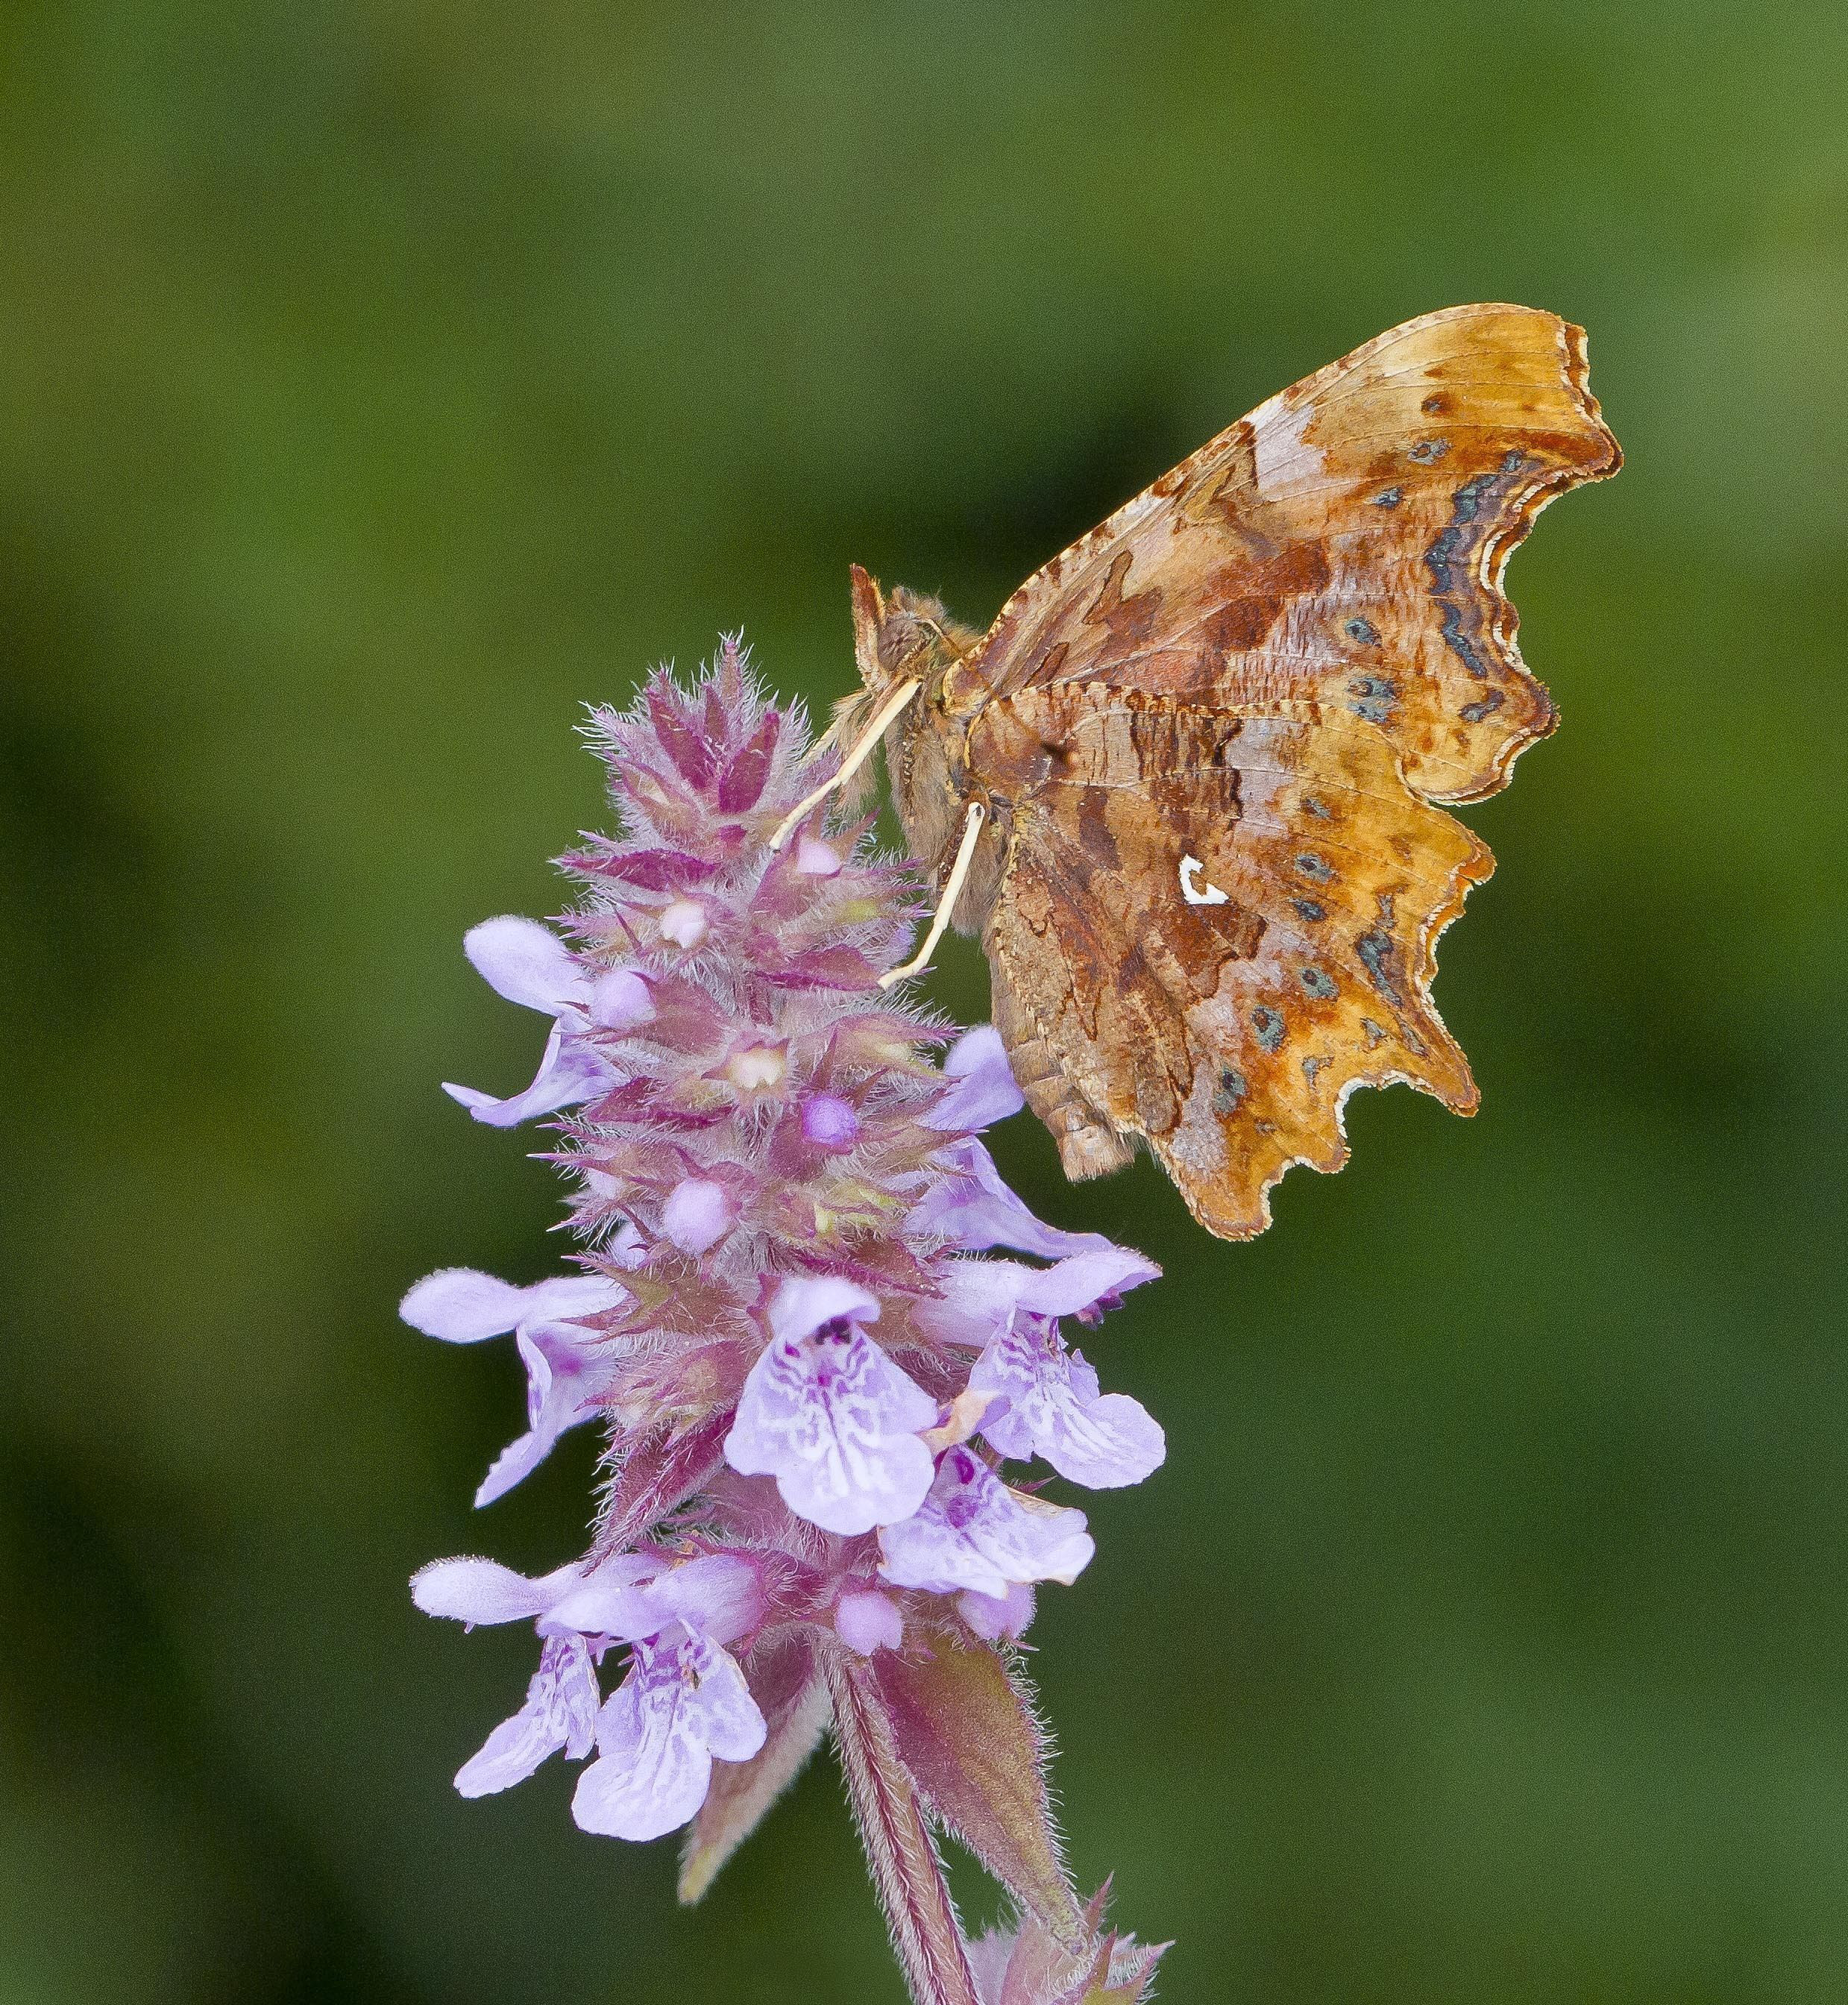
1209 738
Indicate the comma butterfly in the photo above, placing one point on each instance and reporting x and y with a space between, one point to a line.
1182 787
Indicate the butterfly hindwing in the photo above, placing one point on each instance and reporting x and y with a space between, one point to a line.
1219 926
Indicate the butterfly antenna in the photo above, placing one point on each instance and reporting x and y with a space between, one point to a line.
952 890
862 751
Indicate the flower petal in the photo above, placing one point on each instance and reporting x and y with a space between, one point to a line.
462 1305
1047 1404
984 1090
722 1709
971 1208
719 1595
800 1306
560 1712
1006 1618
684 1701
608 1600
570 1071
527 963
837 1424
979 1295
483 1591
973 1531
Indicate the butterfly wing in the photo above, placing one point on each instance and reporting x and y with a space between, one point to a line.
1220 719
1218 927
1342 547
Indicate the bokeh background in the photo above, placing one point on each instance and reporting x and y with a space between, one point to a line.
378 383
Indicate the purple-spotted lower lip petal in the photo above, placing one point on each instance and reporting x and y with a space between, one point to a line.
836 1423
1047 1403
684 1701
559 1714
973 1531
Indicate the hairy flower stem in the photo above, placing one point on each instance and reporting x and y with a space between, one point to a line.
900 1852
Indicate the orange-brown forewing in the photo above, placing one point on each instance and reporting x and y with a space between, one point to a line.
1211 730
1342 546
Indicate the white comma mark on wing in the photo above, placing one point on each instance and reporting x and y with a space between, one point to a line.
1191 867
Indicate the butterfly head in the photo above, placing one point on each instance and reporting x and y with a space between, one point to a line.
900 637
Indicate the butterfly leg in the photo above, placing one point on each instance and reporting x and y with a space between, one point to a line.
953 890
864 750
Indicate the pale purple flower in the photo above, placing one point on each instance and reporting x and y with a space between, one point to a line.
972 1209
980 1296
983 1089
684 1701
719 1594
579 1612
974 1531
699 1213
560 1715
564 1361
1046 1401
560 1710
867 1621
521 959
828 1413
999 1618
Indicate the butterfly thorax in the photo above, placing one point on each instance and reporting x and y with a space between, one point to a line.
907 636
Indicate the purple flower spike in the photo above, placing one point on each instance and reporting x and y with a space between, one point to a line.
564 1363
684 1701
828 1413
798 1525
560 1713
973 1531
1047 1402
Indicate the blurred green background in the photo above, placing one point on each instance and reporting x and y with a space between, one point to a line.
380 383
